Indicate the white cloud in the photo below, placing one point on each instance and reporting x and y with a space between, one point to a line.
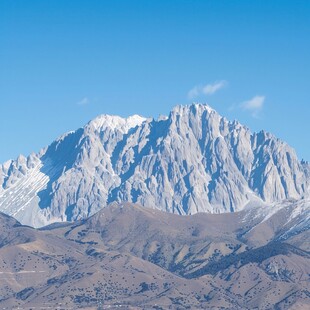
254 105
84 101
208 89
194 92
213 88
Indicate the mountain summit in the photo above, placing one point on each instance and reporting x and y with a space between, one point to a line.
192 161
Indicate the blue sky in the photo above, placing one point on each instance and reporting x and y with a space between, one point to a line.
64 62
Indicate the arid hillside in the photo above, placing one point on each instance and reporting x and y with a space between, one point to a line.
127 256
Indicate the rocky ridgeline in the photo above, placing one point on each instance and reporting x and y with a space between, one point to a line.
192 161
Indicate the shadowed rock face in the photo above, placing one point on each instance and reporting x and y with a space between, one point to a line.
139 257
192 161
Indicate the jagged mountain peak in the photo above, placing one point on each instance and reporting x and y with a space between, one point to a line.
116 122
194 107
192 161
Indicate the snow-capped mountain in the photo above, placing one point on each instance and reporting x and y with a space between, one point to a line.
192 161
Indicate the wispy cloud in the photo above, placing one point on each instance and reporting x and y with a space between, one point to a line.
83 101
194 92
208 89
254 105
213 88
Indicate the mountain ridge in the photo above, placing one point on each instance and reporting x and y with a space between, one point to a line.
193 160
127 256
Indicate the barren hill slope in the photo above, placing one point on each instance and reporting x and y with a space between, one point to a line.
144 258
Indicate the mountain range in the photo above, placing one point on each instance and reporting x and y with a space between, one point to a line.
192 161
189 211
130 257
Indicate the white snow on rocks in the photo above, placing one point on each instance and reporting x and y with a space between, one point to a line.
193 160
116 122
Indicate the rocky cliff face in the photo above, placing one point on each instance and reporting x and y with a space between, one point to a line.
192 161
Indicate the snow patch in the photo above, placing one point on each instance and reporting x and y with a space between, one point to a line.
116 122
